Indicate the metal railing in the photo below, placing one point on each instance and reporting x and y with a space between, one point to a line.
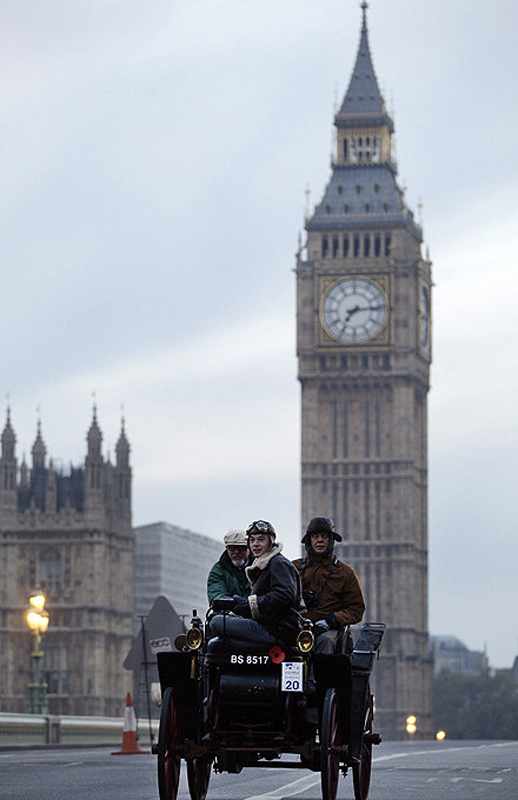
18 730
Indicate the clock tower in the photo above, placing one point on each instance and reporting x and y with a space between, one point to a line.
363 344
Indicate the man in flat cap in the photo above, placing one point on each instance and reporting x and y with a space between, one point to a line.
331 588
228 577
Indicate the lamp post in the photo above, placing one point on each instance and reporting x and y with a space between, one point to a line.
38 622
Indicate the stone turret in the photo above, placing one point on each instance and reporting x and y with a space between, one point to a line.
8 470
122 476
94 494
39 451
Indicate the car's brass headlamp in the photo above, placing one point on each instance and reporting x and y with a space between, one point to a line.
194 636
305 639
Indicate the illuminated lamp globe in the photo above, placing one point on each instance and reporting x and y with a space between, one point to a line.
37 600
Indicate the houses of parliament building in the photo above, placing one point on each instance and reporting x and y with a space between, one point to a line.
69 535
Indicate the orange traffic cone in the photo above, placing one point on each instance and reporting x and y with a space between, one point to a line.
130 743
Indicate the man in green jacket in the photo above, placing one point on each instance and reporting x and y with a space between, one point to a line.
331 588
227 576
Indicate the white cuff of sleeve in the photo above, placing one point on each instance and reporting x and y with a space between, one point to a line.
254 608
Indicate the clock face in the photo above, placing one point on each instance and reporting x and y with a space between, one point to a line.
424 316
354 310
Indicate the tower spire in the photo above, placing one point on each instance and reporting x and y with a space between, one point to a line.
39 451
122 448
94 437
8 438
363 95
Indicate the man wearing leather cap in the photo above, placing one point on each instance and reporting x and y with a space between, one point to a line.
228 576
331 588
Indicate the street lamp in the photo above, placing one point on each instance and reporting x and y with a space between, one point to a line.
38 622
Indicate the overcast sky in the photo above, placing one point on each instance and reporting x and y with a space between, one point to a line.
154 160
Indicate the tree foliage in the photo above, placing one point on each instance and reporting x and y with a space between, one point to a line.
476 707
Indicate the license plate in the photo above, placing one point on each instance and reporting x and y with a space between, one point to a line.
252 660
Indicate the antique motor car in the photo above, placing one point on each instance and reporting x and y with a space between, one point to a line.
227 705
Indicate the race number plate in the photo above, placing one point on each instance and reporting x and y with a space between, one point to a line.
292 680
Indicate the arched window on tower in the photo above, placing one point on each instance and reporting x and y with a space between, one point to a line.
353 150
8 482
356 246
345 245
345 149
375 150
95 477
50 570
55 666
325 246
123 487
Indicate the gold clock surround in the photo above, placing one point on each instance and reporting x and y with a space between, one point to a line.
326 283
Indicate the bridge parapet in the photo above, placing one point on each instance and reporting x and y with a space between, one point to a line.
24 730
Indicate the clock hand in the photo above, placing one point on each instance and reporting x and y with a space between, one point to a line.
352 311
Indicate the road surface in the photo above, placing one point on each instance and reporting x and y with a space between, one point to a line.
413 770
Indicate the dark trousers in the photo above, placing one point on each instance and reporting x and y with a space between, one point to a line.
246 630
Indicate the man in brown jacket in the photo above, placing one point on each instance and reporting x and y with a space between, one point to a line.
331 589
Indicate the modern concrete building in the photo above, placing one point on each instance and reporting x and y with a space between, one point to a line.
172 562
450 654
70 535
364 352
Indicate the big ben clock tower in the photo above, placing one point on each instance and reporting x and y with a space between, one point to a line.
363 339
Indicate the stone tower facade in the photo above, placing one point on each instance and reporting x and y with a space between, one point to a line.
70 535
363 336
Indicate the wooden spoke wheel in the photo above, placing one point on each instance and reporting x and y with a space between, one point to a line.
169 760
329 743
362 769
198 776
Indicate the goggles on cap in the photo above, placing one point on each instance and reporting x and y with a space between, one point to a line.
261 526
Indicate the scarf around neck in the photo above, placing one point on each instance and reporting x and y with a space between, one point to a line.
258 564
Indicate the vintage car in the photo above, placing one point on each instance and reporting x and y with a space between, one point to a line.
227 705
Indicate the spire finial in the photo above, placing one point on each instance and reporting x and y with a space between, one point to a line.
38 421
364 6
307 200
